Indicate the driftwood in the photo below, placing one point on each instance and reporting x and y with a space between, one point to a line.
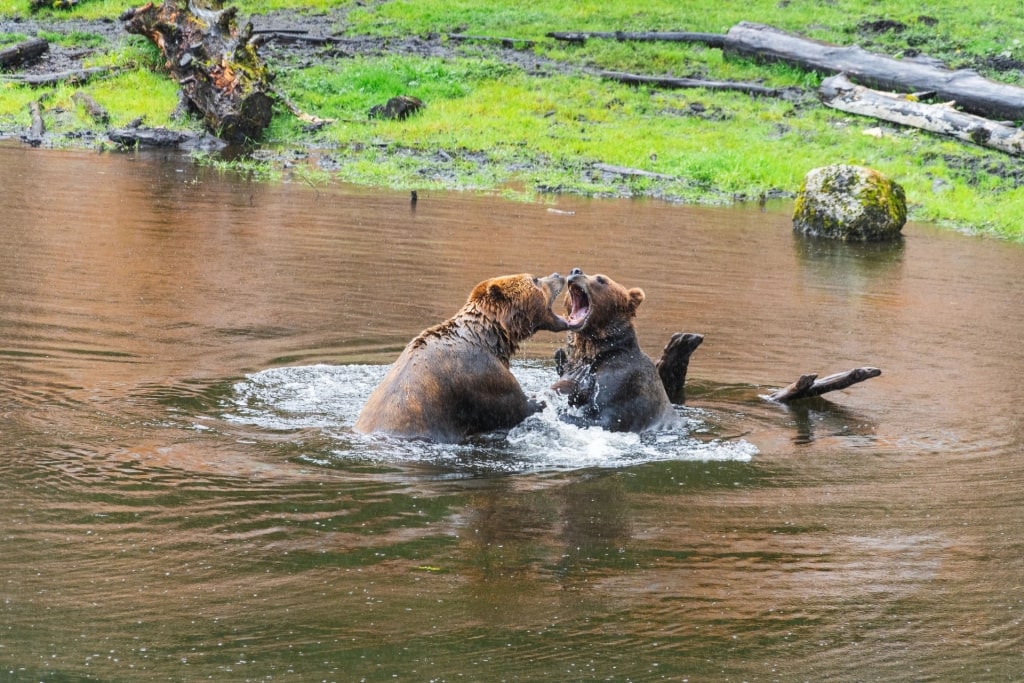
710 39
970 91
809 386
92 107
16 55
840 93
669 82
220 73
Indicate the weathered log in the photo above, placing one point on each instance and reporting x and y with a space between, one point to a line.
92 107
674 363
809 386
217 66
669 82
710 39
71 76
840 93
135 136
16 55
970 91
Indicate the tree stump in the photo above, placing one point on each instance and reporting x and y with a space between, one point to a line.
220 73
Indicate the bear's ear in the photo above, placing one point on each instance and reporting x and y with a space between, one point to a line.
636 297
496 292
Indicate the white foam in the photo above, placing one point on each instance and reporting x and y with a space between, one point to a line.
328 398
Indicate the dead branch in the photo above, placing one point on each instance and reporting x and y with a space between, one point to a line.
72 76
809 385
669 82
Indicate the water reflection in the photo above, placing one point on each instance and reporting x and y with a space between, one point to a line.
182 497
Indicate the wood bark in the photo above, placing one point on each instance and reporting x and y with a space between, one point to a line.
809 386
838 92
217 66
16 55
669 82
972 92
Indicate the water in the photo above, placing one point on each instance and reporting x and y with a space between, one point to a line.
182 355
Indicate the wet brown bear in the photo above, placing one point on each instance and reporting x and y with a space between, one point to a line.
606 375
453 380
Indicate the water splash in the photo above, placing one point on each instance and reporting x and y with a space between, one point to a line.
328 399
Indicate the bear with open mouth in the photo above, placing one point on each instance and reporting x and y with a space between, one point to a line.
453 380
610 382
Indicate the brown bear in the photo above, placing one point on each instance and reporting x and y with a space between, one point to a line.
453 380
605 374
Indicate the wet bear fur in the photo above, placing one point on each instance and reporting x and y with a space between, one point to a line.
609 380
453 379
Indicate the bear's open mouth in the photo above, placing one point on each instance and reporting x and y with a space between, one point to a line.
579 306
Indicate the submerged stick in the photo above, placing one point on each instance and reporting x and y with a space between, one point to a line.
808 385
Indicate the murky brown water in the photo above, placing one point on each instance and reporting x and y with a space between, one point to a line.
182 354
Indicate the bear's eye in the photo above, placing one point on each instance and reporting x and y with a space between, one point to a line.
536 282
602 280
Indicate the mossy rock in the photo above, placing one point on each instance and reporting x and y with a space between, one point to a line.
850 203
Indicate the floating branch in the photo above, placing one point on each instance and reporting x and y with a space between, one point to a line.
809 385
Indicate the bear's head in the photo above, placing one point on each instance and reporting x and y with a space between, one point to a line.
521 303
599 308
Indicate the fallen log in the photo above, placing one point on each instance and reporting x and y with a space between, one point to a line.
71 76
220 73
135 137
970 91
92 107
710 39
838 92
809 386
16 55
669 82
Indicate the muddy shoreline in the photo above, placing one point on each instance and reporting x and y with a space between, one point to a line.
305 39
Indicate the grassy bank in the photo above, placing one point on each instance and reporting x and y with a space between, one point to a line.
492 122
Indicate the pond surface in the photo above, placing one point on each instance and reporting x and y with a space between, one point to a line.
183 353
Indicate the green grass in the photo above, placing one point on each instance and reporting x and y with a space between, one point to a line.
490 126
